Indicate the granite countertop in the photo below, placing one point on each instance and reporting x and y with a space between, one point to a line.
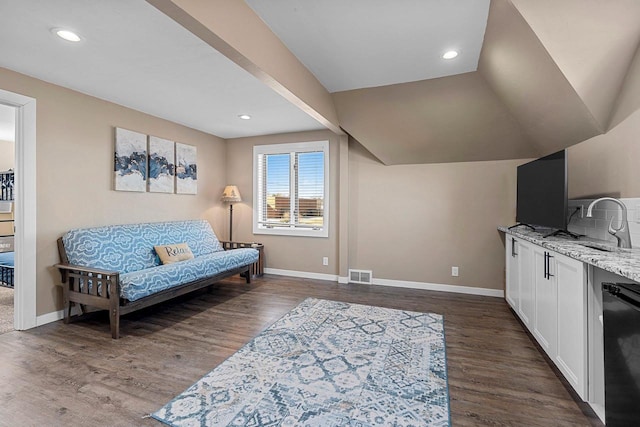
623 262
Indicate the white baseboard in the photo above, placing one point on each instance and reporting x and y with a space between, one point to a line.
49 317
58 315
441 288
54 316
387 282
302 274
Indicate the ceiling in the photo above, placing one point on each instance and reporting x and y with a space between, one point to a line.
528 80
550 75
134 55
364 43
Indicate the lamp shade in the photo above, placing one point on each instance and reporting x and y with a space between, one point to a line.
231 194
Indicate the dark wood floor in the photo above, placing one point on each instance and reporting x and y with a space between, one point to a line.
76 375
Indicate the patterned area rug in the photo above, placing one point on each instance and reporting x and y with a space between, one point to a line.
6 310
327 363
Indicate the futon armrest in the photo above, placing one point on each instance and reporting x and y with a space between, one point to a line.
90 281
226 245
83 269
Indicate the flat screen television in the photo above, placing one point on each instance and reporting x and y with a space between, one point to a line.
542 192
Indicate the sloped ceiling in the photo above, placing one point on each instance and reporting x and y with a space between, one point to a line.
628 101
434 121
550 74
548 77
357 44
593 42
531 85
520 103
233 29
133 55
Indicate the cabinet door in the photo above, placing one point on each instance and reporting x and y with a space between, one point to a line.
546 301
571 353
511 262
525 280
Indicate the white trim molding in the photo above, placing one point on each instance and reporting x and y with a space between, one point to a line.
54 316
471 290
25 208
58 315
301 274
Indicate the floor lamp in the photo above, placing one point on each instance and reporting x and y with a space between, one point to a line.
231 195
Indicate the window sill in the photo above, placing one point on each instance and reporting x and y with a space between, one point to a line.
293 233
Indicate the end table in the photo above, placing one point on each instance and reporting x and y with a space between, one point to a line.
257 268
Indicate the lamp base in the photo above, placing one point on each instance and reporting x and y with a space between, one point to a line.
231 222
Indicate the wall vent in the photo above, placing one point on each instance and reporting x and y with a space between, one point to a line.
360 276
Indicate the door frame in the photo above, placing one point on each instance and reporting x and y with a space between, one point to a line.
25 209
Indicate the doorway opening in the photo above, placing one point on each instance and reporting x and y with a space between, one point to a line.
24 209
7 227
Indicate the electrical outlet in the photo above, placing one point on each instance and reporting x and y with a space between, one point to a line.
325 260
454 271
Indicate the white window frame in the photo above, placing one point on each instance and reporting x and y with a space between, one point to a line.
258 200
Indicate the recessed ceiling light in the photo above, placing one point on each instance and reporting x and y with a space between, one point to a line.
245 117
450 54
67 35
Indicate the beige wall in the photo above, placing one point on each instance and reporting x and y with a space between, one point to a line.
528 81
432 121
414 222
405 222
75 143
629 98
283 252
607 164
7 154
593 48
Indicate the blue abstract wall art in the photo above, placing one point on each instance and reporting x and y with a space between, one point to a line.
186 169
130 163
162 168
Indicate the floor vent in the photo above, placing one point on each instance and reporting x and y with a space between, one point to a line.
360 276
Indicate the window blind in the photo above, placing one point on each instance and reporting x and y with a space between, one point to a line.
291 188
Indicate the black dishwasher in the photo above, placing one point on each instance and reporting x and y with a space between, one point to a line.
621 310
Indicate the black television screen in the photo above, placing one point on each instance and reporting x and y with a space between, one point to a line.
542 192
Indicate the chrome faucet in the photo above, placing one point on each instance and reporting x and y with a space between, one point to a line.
622 233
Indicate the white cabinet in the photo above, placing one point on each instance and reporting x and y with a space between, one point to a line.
548 292
571 348
512 291
527 291
519 280
546 301
561 314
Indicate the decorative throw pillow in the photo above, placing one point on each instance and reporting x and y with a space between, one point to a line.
173 253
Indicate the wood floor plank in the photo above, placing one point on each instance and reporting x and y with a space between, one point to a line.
76 375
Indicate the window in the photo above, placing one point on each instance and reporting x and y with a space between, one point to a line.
291 189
